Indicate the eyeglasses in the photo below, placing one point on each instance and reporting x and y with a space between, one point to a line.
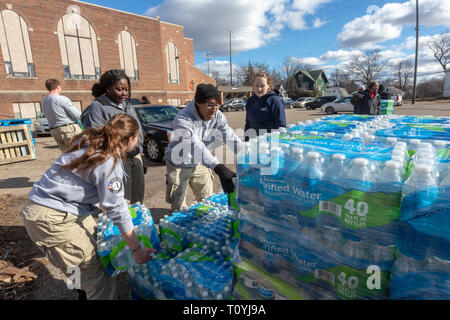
211 105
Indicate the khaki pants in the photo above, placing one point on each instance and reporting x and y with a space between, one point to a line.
62 135
135 181
67 241
199 178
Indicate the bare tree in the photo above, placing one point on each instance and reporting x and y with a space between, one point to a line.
430 88
366 66
219 80
342 79
440 45
245 73
404 72
338 77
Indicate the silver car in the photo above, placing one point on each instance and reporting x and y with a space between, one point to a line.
300 102
338 105
41 126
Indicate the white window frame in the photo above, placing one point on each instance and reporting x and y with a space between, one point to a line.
127 54
70 33
172 57
15 45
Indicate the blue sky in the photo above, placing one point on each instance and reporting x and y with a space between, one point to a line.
324 33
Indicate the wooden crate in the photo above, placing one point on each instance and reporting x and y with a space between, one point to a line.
16 144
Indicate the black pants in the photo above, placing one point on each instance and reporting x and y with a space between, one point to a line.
134 182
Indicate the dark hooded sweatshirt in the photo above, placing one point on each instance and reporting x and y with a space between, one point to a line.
266 112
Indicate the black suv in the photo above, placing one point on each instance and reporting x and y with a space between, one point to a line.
319 101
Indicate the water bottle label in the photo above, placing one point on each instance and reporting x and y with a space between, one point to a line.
350 283
443 155
172 239
201 210
359 210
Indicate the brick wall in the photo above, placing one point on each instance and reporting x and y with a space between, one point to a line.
151 36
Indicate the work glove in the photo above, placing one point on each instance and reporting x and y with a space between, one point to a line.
226 177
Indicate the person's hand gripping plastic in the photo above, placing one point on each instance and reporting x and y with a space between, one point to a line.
226 177
143 254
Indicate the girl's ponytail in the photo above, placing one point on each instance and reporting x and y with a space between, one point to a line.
110 140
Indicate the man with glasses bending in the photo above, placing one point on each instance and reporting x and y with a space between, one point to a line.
199 128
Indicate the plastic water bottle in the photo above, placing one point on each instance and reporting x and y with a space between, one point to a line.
413 144
311 176
335 174
420 190
390 177
123 259
360 175
356 252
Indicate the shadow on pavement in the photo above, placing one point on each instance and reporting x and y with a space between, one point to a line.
51 147
21 182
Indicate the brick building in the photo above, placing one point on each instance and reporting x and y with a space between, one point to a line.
76 42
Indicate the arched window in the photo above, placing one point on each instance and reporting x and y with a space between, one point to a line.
15 45
127 53
78 44
173 73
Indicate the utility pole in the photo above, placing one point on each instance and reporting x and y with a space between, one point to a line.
208 55
231 66
417 50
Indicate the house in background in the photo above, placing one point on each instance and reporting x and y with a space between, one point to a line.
313 80
337 91
281 90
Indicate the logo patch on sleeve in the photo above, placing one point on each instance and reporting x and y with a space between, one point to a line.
115 185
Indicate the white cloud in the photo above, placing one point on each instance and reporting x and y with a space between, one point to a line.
343 56
318 23
387 22
221 67
254 24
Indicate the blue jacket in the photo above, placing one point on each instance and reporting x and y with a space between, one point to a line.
266 112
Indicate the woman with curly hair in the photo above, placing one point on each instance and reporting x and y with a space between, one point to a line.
112 94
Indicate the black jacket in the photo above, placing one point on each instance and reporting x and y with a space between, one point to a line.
368 105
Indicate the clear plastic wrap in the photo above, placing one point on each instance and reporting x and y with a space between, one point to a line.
195 260
322 217
114 253
422 270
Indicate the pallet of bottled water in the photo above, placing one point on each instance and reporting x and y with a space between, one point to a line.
114 253
195 260
210 222
422 269
389 129
322 214
193 274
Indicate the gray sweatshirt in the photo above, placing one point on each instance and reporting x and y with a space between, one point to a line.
59 110
70 191
193 138
98 113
